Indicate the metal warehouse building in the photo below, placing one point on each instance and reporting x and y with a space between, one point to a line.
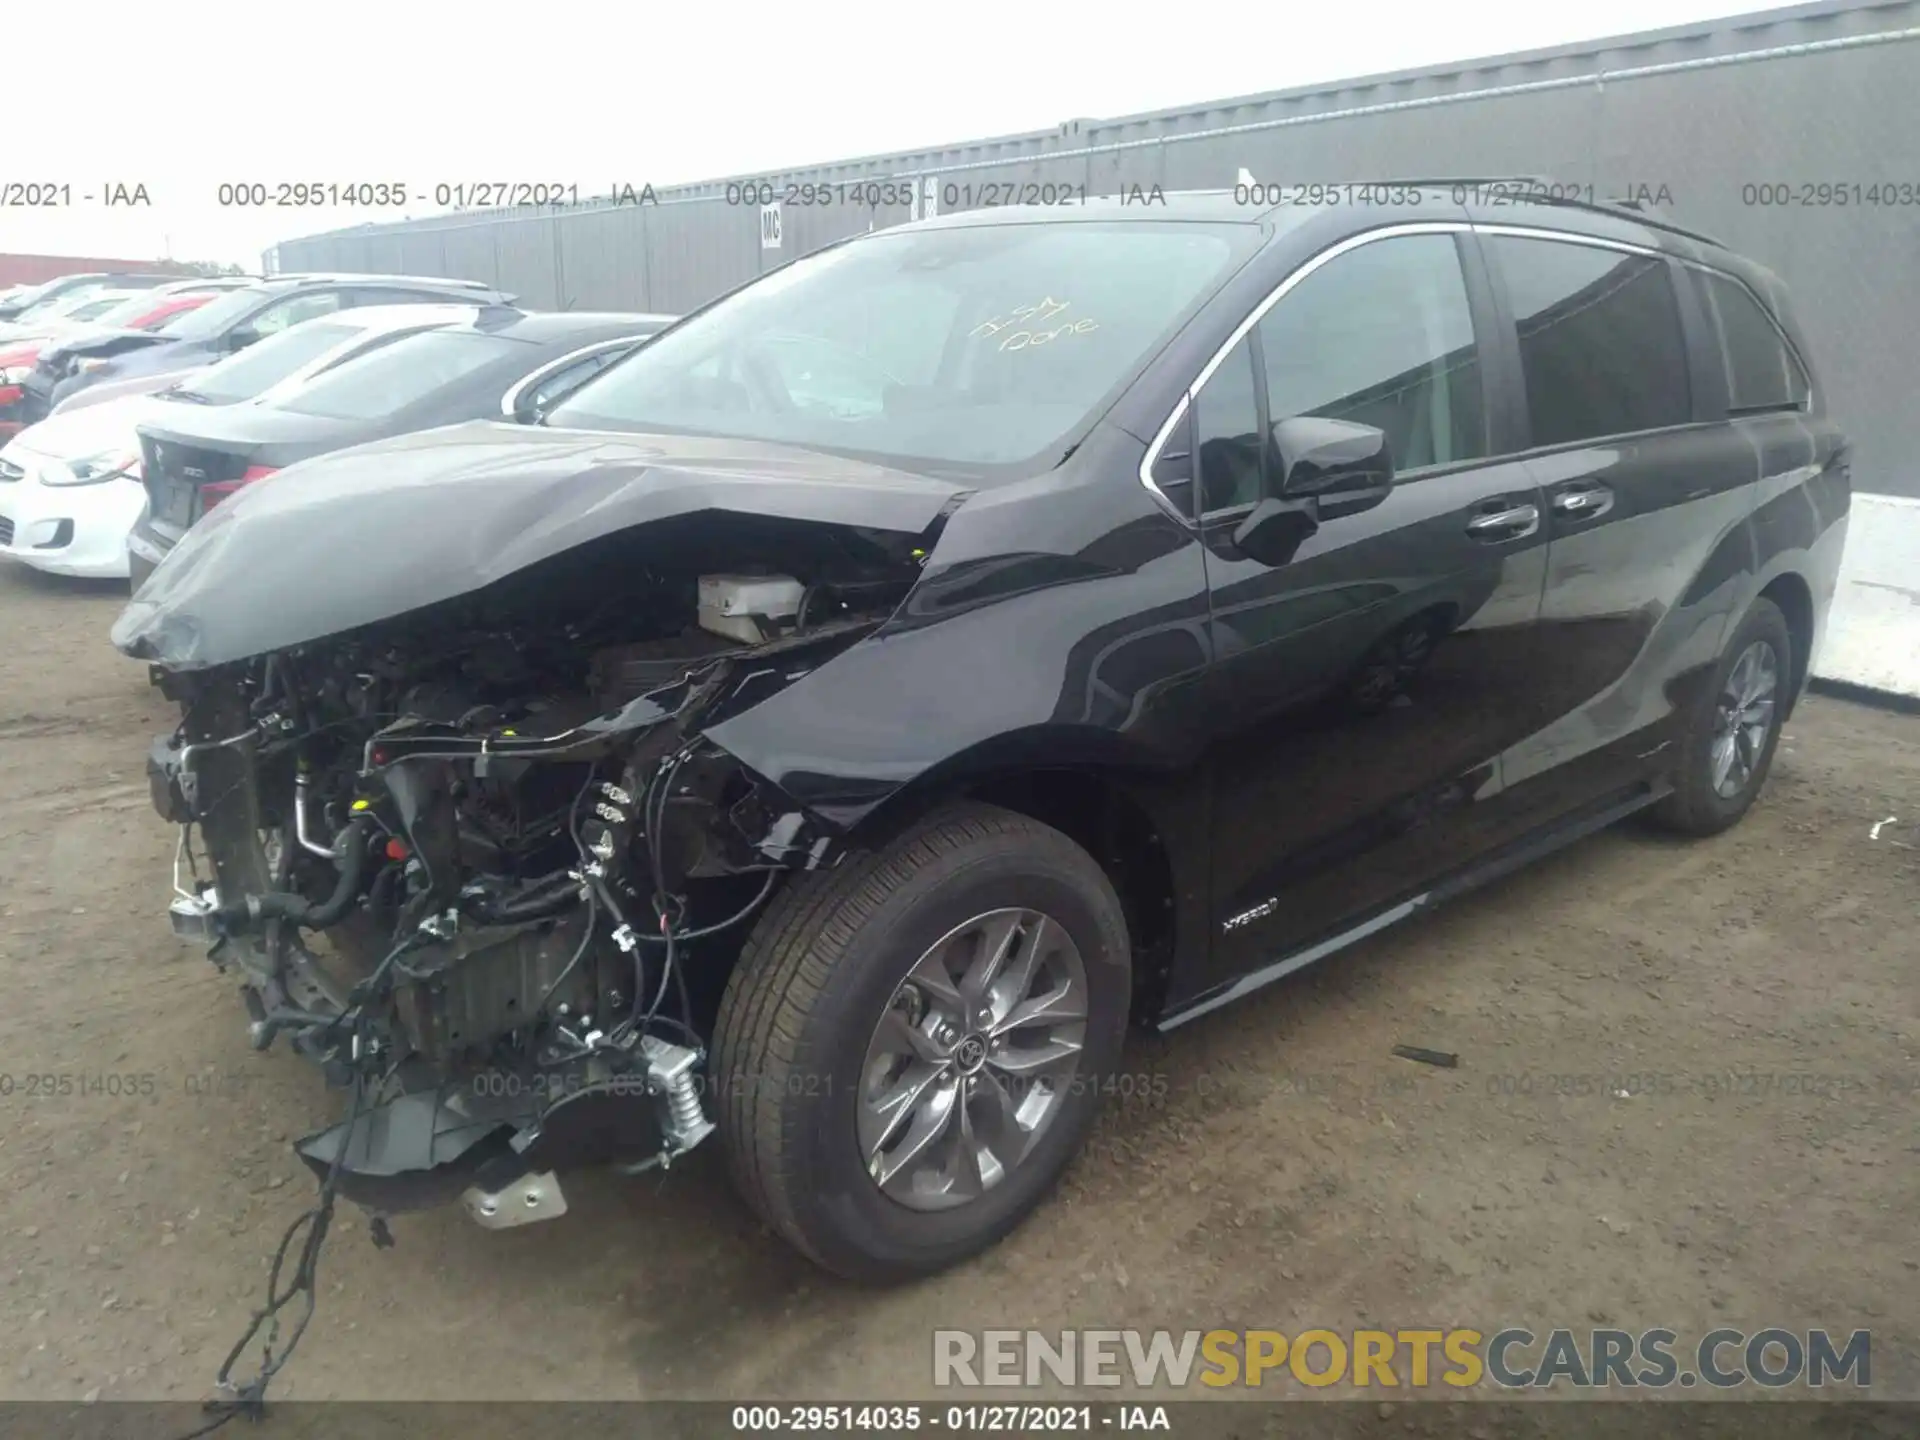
1792 134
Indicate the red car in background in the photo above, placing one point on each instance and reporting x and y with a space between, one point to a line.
152 310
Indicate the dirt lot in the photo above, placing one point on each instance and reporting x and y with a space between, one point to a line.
1287 1171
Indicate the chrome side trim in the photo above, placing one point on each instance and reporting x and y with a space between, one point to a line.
1266 975
1332 252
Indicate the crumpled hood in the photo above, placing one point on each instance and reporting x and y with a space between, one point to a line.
66 346
379 530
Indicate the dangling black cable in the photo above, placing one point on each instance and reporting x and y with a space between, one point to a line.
250 1396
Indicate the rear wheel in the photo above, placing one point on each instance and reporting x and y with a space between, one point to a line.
912 1045
1731 737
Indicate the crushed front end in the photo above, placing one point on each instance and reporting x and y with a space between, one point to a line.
488 872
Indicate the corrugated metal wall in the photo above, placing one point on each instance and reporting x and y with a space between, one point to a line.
1825 94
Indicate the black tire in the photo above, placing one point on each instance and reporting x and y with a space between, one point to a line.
813 981
1696 807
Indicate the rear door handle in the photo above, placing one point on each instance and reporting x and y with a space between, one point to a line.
1511 524
1584 502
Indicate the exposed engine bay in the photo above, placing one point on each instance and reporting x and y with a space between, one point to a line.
481 864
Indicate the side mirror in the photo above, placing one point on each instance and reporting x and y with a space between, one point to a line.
1327 469
238 340
1343 467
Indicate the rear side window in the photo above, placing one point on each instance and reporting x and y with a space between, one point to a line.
1601 348
376 385
266 364
1762 373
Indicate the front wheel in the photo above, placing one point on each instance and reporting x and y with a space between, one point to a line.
913 1044
1731 736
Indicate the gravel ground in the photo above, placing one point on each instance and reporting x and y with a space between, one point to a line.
1284 1170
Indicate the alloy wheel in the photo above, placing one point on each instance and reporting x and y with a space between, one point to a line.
973 1059
1743 718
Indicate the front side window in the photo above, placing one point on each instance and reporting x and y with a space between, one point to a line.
1226 432
1601 348
1762 372
1382 336
969 348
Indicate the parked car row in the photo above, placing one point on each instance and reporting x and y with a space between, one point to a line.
230 325
148 426
20 298
80 317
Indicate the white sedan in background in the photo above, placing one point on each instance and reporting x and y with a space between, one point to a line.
70 486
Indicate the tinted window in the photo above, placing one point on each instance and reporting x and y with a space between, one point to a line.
258 367
968 347
1761 370
1600 341
1382 336
373 386
1226 427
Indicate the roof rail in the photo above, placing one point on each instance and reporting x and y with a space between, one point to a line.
383 276
1544 190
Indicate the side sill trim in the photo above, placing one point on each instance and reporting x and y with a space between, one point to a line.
1500 863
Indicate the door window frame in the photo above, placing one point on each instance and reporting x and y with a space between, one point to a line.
1496 397
510 401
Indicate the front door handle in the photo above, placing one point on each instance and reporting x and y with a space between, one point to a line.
1513 523
1583 503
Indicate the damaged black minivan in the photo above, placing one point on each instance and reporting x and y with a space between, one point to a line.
838 718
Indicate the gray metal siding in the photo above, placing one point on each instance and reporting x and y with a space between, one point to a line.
1833 95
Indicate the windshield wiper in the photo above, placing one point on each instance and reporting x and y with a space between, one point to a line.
192 397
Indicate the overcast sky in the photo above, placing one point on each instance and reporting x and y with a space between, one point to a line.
181 98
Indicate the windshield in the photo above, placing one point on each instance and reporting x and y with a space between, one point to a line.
93 308
267 363
127 309
395 376
170 324
966 347
60 304
215 316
